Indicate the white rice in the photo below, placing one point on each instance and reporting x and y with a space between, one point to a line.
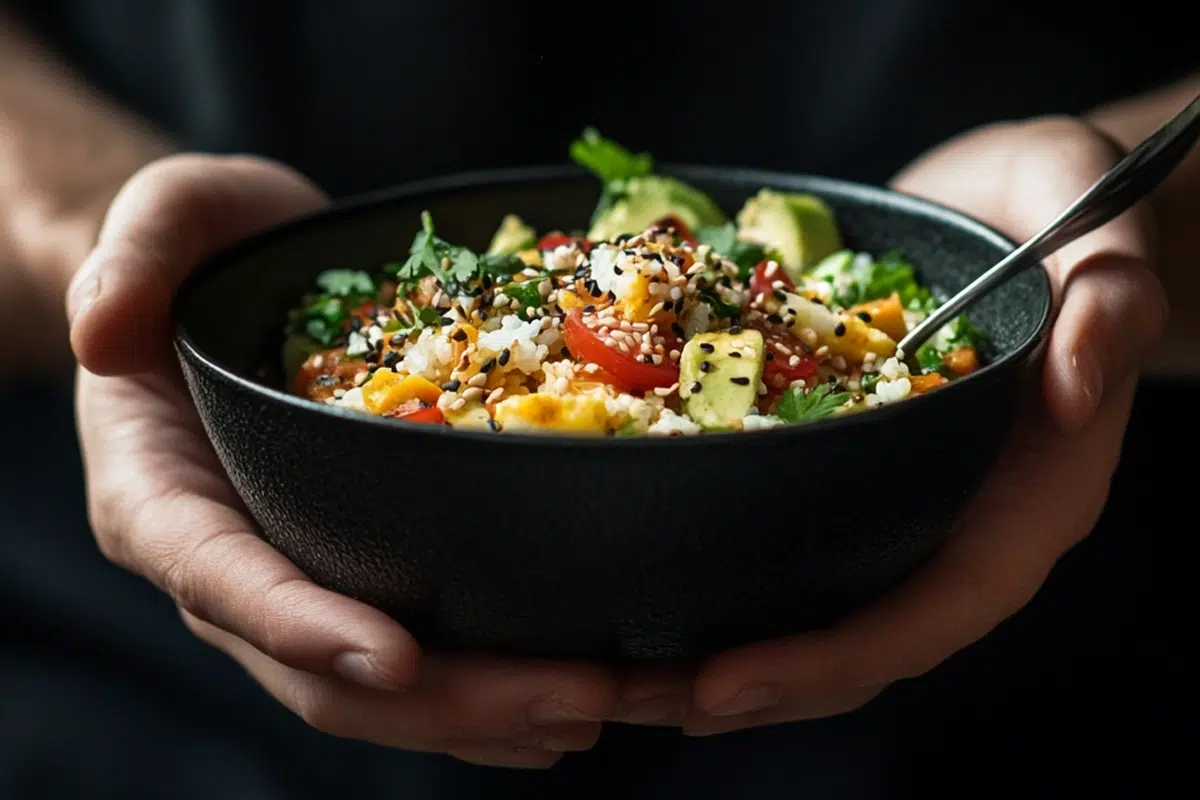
521 339
671 424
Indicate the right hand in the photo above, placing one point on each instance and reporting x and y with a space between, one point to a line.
161 506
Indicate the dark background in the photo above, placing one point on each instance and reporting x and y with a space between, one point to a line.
104 694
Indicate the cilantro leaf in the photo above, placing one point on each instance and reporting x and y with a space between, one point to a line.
723 239
525 293
720 307
346 282
796 406
859 278
608 160
322 319
497 265
963 333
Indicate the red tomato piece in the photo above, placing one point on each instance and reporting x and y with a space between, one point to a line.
627 372
761 284
416 411
781 349
552 241
681 229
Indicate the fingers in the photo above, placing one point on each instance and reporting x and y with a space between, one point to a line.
490 711
170 216
1018 178
983 575
159 508
655 694
773 706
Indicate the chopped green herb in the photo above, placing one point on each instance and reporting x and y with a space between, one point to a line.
608 160
497 265
525 293
930 358
796 406
858 279
346 283
868 382
724 241
719 307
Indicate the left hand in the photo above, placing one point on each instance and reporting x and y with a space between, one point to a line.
1050 484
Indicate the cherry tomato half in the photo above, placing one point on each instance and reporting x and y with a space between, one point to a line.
627 371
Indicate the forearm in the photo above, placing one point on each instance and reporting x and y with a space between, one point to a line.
64 152
1177 209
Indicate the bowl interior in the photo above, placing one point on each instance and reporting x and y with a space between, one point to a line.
232 310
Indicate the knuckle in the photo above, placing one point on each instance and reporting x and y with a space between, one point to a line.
316 704
271 632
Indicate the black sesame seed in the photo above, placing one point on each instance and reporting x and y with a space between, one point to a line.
653 257
649 359
864 316
495 426
399 339
505 355
589 308
678 330
558 309
735 329
706 347
696 387
451 386
742 381
483 316
487 366
774 319
770 356
372 357
447 321
679 306
486 281
612 296
816 301
780 295
459 335
677 261
735 353
624 237
391 358
840 330
355 324
631 252
618 270
705 366
565 352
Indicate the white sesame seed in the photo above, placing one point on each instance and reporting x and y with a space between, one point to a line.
695 269
838 363
762 388
530 312
458 404
501 299
640 327
561 385
673 355
478 379
494 396
623 346
676 293
544 288
471 394
822 351
657 308
808 336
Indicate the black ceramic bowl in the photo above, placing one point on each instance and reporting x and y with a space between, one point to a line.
612 549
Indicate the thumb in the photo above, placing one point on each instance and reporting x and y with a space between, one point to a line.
167 218
1111 306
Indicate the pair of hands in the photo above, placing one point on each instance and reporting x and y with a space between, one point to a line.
161 507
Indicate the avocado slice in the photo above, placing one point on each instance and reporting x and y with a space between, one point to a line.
801 227
512 236
719 375
643 201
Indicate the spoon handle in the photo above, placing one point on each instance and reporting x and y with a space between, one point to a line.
1131 179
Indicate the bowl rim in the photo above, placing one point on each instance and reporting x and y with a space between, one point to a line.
851 190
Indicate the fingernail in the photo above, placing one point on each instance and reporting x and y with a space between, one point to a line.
659 710
83 293
553 710
1091 375
750 699
357 668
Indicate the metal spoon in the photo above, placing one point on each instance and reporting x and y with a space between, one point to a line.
1131 179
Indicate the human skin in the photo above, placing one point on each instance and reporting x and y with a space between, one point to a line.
162 508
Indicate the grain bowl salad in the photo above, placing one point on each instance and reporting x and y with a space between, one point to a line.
663 318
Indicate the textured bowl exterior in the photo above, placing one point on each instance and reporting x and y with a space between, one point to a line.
614 549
